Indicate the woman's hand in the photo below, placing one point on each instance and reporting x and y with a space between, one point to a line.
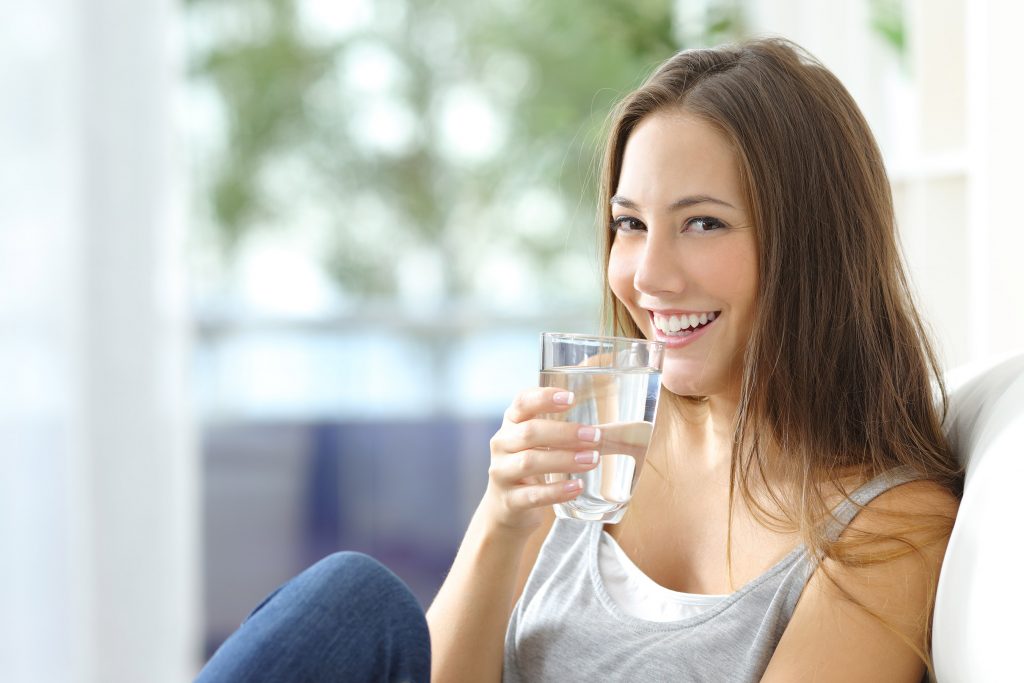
529 446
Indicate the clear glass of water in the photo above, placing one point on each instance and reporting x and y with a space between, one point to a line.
616 382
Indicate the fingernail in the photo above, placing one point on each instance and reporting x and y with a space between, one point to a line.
563 398
586 457
589 434
573 485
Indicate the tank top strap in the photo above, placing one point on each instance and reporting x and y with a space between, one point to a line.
844 513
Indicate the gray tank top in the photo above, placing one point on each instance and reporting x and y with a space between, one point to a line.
566 627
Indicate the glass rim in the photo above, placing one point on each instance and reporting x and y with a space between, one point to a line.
600 338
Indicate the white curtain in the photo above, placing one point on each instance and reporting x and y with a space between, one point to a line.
98 477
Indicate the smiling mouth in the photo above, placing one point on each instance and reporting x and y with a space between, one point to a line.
682 324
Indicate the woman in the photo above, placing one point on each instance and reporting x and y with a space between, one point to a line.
798 494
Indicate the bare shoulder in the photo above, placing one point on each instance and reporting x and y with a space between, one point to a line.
914 499
903 532
865 612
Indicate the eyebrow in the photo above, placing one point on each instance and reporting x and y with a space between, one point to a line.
683 203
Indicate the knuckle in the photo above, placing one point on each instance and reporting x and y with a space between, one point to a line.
533 495
498 471
527 432
526 459
513 504
522 407
515 411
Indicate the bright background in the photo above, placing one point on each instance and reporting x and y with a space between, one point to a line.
270 271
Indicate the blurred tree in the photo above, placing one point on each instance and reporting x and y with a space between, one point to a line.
888 21
436 134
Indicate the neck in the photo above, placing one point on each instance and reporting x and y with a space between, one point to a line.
695 436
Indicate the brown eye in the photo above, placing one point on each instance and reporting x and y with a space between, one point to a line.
627 224
704 224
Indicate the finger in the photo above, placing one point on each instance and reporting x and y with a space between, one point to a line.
511 470
629 438
539 433
533 402
540 495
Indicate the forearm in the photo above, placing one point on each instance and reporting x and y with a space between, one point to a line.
470 614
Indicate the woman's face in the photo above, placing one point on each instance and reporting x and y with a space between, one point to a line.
684 256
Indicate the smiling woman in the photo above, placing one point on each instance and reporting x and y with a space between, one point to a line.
675 258
744 182
800 492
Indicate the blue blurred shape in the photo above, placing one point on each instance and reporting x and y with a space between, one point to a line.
281 495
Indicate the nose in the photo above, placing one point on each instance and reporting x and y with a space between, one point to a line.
659 269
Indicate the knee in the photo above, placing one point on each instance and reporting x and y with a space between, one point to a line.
362 595
349 563
347 613
352 580
351 569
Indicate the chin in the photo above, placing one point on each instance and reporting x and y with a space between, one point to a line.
700 382
684 386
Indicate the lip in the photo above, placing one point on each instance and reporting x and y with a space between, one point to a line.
674 342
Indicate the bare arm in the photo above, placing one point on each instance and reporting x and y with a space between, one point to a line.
470 614
831 639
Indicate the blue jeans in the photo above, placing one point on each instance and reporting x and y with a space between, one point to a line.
346 618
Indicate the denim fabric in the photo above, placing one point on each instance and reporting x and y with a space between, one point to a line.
346 618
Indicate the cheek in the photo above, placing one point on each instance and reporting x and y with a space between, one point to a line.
745 278
620 274
737 280
732 272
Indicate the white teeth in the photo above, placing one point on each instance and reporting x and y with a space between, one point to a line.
681 323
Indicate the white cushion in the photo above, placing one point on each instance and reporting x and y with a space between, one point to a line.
977 633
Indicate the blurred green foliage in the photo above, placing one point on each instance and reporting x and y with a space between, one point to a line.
888 21
295 133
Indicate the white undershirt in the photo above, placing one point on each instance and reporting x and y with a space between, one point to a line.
637 594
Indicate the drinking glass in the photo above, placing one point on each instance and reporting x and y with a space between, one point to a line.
616 382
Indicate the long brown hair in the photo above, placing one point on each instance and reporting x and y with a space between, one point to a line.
839 374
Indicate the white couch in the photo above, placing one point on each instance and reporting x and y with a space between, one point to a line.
978 627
